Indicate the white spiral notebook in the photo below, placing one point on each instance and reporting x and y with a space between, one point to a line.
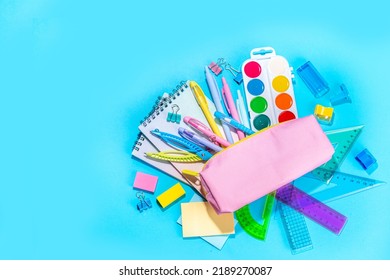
183 97
143 145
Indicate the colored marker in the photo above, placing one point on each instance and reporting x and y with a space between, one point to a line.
215 93
202 102
233 123
189 135
203 129
228 98
182 143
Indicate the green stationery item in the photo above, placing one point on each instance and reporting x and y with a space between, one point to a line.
250 225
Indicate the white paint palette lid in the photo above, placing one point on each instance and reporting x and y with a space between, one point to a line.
268 88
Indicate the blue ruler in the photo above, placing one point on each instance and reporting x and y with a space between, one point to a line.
294 224
340 186
343 185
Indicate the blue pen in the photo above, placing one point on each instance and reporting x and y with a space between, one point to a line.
181 143
191 136
233 123
215 93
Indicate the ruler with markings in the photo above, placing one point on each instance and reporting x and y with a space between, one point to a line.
344 185
294 224
250 225
342 140
312 208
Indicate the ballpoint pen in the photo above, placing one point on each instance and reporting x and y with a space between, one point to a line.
230 105
233 123
181 143
215 93
202 102
191 136
242 111
203 129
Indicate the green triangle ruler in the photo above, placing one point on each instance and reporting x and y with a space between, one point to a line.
250 225
342 185
342 140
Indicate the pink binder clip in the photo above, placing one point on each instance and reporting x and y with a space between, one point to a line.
216 67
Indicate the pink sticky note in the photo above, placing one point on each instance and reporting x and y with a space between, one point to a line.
145 182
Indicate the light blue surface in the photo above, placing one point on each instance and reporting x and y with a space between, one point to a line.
77 76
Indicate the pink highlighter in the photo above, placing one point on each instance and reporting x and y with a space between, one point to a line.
230 106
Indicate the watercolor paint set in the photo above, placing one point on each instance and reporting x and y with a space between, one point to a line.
268 87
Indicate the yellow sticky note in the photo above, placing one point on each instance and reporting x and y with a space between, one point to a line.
171 195
200 219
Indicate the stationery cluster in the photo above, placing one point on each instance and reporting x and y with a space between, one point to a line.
235 151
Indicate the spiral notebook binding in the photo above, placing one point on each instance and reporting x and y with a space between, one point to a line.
138 142
163 103
156 105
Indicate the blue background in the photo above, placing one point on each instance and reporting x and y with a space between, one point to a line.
77 76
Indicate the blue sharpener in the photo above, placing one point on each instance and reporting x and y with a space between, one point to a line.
341 97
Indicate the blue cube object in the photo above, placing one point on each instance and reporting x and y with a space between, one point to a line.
313 80
366 160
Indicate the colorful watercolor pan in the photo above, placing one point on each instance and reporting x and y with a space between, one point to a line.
268 88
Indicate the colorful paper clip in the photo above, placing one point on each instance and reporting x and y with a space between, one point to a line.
341 97
174 116
324 114
313 80
367 161
144 203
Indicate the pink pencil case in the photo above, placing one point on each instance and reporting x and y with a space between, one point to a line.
264 162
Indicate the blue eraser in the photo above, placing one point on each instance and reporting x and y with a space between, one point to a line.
313 80
366 159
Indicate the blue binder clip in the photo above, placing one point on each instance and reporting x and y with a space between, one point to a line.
341 97
236 74
367 161
144 203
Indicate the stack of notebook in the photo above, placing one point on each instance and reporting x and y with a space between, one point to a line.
157 119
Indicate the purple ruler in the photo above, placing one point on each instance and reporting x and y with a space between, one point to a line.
312 208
